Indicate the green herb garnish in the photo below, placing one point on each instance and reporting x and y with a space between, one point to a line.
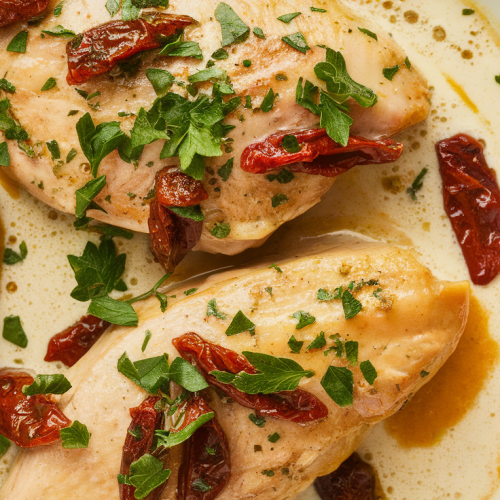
368 371
318 343
60 32
338 383
75 436
286 18
369 33
304 319
10 257
234 30
389 73
240 324
13 331
18 43
297 41
4 154
212 310
417 184
221 230
258 421
283 177
146 474
295 345
47 384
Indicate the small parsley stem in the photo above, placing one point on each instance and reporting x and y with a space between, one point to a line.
150 292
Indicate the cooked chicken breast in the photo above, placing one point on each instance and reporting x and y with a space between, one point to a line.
244 201
409 330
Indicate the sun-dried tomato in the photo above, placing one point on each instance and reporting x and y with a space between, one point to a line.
298 406
145 420
13 11
320 155
176 189
353 480
171 236
206 459
472 203
27 420
99 49
71 344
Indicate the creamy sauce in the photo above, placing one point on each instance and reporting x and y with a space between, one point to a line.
457 454
453 391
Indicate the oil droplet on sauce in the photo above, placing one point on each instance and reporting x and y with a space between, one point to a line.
438 405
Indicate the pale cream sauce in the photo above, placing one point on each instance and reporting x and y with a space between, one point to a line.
464 462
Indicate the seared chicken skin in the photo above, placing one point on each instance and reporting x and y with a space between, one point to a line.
244 200
409 327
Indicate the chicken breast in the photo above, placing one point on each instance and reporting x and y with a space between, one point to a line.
408 331
244 200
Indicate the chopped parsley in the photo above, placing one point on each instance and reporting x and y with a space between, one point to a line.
295 345
338 383
297 41
283 177
247 63
274 266
389 73
75 436
318 343
146 474
240 324
468 12
220 55
18 43
234 30
268 472
160 79
147 338
10 257
351 351
194 212
4 154
424 374
86 195
278 199
47 384
53 147
225 171
259 33
200 485
368 371
60 32
221 230
258 421
290 144
112 7
407 63
6 86
369 33
273 437
58 9
212 310
316 9
71 155
268 102
286 18
14 332
190 291
304 319
417 184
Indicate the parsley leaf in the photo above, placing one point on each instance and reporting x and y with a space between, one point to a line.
18 43
112 7
351 351
114 311
186 375
10 257
146 474
259 33
60 32
258 421
58 9
147 338
318 343
417 184
86 194
468 12
351 305
335 121
369 33
295 345
407 63
234 30
49 84
268 101
276 375
97 271
4 154
129 11
424 374
6 86
221 230
286 18
167 439
389 73
274 266
194 212
225 171
160 79
283 177
220 54
338 383
75 436
179 48
47 384
497 78
297 41
212 310
240 324
151 374
4 445
273 437
13 331
53 147
315 9
278 199
368 371
98 142
290 144
304 319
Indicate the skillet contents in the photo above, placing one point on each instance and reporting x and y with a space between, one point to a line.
209 131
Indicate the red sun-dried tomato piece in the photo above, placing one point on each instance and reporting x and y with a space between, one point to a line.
99 49
13 11
472 203
171 236
320 155
298 406
71 344
353 480
176 189
29 421
206 459
140 433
